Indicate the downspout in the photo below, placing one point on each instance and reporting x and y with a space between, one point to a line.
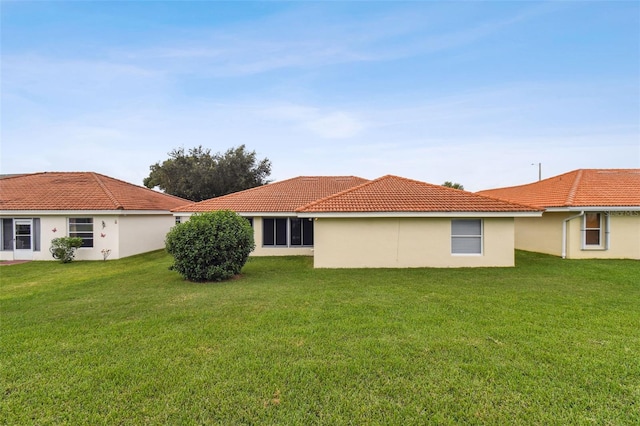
564 233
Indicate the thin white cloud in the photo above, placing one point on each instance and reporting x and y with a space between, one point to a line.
324 124
300 38
123 112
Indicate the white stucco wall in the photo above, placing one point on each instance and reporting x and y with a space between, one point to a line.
143 233
123 235
406 243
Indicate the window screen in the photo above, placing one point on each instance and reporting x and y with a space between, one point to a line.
82 227
466 236
287 232
7 234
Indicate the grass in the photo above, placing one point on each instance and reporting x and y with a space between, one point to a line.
129 342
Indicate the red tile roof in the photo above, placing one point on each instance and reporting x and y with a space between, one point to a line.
398 194
79 191
579 188
283 196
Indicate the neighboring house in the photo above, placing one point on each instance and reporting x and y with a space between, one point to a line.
111 216
389 222
271 209
588 214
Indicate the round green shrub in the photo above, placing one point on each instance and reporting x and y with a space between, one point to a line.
210 246
64 248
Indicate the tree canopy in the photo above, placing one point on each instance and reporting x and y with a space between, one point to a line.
198 175
453 185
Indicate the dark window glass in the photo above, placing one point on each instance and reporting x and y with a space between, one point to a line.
82 227
593 220
592 238
296 231
307 232
287 232
281 232
593 229
7 234
268 232
36 234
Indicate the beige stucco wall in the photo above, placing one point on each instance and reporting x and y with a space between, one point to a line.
540 234
544 235
406 243
624 239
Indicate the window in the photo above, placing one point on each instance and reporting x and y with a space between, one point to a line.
466 236
178 220
7 234
250 220
82 227
592 234
287 232
301 232
36 234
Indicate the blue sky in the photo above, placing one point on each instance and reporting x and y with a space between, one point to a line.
471 92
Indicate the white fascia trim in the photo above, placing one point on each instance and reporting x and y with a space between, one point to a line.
420 214
593 209
244 214
32 213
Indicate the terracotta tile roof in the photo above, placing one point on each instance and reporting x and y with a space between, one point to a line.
398 194
283 196
579 188
79 191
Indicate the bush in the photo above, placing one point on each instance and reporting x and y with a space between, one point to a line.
64 248
210 246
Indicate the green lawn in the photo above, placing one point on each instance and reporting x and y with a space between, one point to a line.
128 342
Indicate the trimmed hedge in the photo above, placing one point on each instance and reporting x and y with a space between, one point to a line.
210 246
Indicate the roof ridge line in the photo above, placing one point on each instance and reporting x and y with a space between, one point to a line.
344 191
107 192
574 188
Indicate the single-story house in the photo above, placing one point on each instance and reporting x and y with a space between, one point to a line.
390 222
271 210
588 214
115 219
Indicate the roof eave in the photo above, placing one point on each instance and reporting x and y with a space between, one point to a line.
418 214
82 212
591 209
244 214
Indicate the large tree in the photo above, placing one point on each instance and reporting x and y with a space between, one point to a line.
453 185
198 175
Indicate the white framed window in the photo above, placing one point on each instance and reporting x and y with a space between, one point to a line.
466 236
287 232
82 227
593 231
